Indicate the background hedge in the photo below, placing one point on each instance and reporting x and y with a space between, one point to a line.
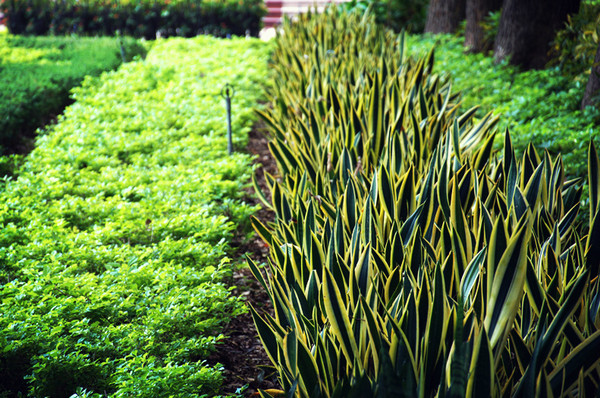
135 18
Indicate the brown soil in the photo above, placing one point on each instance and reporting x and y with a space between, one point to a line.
242 355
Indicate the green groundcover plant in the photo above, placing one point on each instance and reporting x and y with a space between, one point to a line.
37 74
114 237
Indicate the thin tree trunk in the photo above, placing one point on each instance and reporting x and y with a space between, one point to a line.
477 10
444 16
527 27
593 85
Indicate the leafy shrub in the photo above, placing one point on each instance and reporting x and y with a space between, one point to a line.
406 258
399 15
575 46
113 239
134 18
37 74
489 24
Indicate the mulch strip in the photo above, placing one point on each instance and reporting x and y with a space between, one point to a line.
242 355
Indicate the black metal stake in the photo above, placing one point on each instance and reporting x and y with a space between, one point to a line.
227 92
121 46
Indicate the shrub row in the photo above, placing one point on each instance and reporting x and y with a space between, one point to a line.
540 106
37 74
407 258
145 18
113 239
399 15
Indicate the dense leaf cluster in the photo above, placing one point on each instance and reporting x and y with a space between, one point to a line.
399 15
113 238
574 46
146 18
37 74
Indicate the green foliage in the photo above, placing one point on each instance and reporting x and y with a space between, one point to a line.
406 258
489 24
10 164
575 46
114 236
540 107
37 74
399 15
134 18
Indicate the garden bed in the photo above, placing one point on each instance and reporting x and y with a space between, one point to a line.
406 255
115 236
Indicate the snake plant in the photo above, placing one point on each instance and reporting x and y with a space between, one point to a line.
407 258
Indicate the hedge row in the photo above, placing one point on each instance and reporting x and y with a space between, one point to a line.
37 74
147 18
113 239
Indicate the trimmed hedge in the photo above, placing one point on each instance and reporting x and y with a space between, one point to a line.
113 239
134 18
399 15
37 74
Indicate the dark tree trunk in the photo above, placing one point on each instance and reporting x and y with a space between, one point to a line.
593 85
477 10
444 16
527 27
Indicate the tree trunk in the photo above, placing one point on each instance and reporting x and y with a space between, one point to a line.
477 10
527 27
444 16
593 85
